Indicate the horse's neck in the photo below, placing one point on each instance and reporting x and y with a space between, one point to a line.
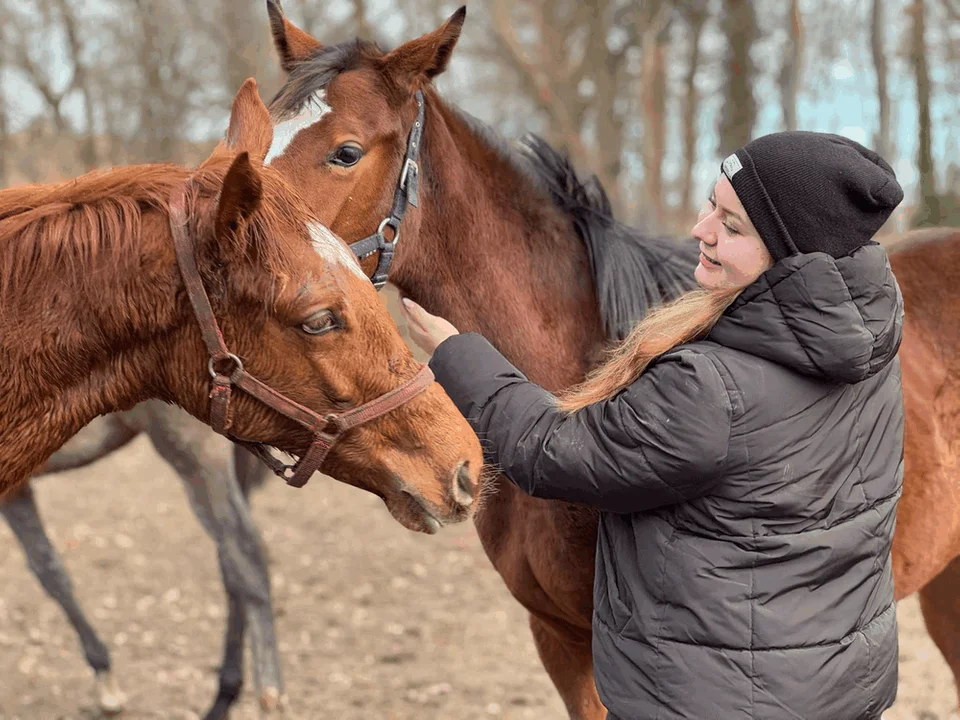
500 259
85 347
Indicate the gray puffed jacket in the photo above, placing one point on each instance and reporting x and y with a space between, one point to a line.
749 485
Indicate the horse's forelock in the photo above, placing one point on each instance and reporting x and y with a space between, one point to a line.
312 76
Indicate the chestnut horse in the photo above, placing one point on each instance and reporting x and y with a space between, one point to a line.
308 360
511 245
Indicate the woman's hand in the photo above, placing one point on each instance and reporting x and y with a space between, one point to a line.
426 330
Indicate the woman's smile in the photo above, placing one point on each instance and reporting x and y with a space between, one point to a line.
708 262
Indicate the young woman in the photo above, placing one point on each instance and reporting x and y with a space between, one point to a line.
745 447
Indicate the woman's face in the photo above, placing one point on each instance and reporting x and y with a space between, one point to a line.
732 255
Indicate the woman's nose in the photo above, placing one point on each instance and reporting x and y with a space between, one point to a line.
702 232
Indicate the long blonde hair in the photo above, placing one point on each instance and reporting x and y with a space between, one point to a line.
689 317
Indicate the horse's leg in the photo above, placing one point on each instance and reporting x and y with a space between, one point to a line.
567 656
940 603
205 462
21 513
545 552
231 669
251 473
98 439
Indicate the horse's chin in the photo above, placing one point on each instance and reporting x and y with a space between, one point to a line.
410 512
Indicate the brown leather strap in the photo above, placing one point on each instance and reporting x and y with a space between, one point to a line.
191 276
221 417
279 402
387 402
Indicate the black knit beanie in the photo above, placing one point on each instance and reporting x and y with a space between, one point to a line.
812 192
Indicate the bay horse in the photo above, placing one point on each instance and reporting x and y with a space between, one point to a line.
507 242
105 303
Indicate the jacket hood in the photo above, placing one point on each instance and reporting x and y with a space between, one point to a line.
840 319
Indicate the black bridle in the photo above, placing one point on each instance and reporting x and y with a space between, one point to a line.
408 191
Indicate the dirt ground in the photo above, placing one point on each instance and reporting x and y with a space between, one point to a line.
374 621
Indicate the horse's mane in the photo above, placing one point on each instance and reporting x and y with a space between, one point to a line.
98 217
311 76
633 272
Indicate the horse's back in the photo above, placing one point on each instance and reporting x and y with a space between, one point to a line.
926 264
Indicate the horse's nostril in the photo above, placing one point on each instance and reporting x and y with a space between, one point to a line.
464 489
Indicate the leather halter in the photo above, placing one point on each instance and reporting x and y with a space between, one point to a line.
408 191
226 370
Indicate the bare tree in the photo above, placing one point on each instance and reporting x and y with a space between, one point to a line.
81 81
929 201
5 144
739 111
654 100
570 58
695 16
169 69
361 20
877 26
24 55
791 69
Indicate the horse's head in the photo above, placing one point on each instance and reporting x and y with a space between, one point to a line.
296 309
344 120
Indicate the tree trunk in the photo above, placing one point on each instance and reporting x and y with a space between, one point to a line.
696 18
159 122
5 144
654 98
361 20
739 111
81 79
239 51
929 202
792 69
881 141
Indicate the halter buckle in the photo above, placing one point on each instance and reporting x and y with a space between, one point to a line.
410 164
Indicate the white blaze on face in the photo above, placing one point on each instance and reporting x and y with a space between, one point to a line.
333 250
284 132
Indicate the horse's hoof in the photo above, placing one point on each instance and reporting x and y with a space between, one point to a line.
109 695
271 701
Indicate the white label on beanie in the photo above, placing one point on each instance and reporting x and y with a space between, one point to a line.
731 166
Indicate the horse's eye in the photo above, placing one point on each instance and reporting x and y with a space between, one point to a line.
347 155
321 323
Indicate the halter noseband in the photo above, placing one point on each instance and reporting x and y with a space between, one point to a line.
226 370
408 191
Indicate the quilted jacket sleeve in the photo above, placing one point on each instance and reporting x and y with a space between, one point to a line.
662 440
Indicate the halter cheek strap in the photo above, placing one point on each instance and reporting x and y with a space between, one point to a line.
407 192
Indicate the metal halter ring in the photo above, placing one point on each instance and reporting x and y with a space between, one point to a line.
391 223
238 365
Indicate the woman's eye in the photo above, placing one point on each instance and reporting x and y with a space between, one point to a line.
347 155
732 231
322 322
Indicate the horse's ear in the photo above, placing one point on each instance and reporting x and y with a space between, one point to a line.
250 128
293 44
428 55
239 199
